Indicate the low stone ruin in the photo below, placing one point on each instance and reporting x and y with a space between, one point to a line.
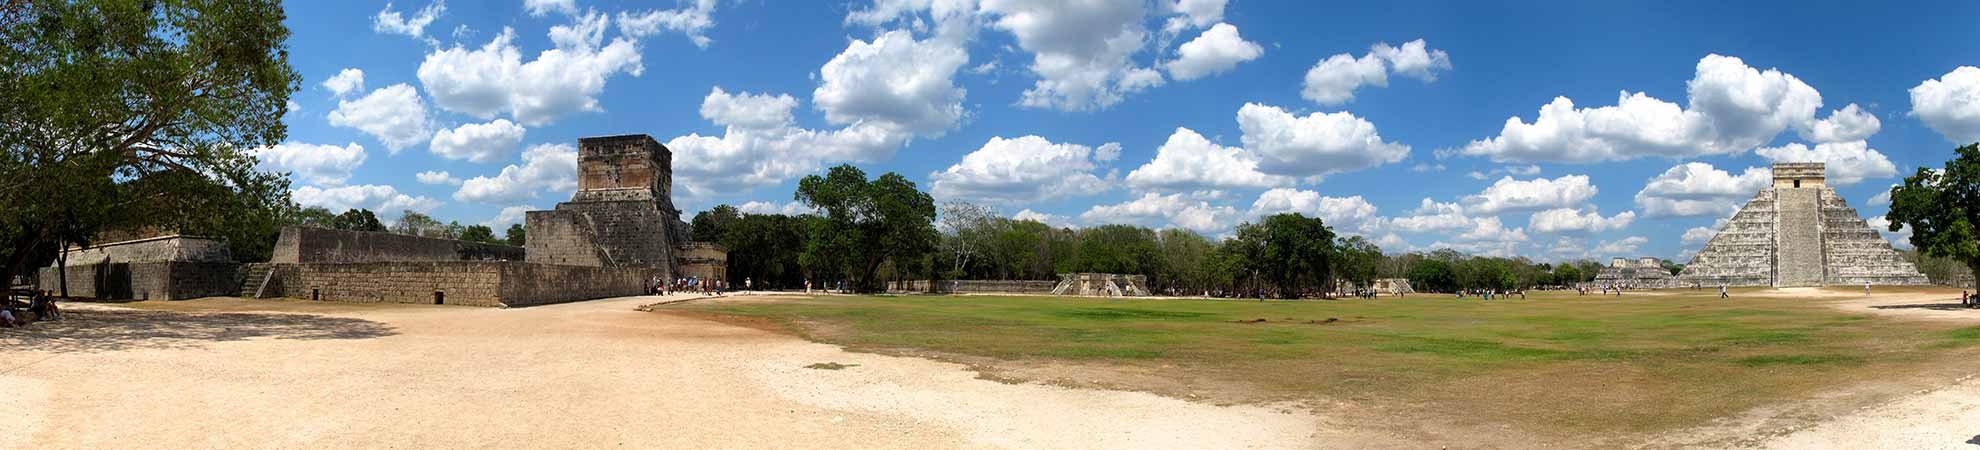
1642 273
1101 285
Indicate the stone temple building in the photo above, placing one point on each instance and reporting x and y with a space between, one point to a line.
1641 273
1798 232
618 232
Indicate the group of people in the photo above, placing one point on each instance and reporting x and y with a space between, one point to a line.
705 286
39 307
1488 294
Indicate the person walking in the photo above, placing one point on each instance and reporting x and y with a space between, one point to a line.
1866 289
1722 292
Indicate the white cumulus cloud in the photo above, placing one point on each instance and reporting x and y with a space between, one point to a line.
894 80
437 177
345 82
478 142
544 168
1572 220
1846 163
1022 169
327 165
382 199
1733 108
1509 194
1314 145
1189 161
1950 104
762 144
1698 189
1351 215
1159 210
394 114
1333 80
391 22
692 20
561 81
1217 50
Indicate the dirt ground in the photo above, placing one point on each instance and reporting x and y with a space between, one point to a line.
229 373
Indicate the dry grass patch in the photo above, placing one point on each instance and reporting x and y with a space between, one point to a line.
1555 368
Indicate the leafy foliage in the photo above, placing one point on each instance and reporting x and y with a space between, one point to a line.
865 223
140 115
1941 206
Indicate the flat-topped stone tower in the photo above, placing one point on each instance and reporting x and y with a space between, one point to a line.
1798 232
622 214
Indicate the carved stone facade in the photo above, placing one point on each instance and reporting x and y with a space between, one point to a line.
1102 285
1641 273
1798 232
169 267
622 214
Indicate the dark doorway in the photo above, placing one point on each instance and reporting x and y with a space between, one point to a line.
439 298
1797 183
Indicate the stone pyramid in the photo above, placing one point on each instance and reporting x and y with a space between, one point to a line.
1798 232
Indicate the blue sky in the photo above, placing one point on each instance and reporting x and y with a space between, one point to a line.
1389 119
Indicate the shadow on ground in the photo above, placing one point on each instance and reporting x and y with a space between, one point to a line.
125 329
1932 306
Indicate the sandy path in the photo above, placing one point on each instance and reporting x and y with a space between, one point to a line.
1946 418
583 375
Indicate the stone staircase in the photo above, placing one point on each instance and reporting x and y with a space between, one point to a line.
254 277
1798 237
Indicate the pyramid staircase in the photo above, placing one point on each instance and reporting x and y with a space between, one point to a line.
1798 236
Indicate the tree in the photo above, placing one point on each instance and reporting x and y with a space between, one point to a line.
516 236
166 100
479 233
1296 254
865 223
316 216
1942 207
711 225
358 220
969 227
1433 275
412 223
1360 260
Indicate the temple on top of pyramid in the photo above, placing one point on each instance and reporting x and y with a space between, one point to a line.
1798 232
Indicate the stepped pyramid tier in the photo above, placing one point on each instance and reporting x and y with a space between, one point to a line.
1642 273
1798 232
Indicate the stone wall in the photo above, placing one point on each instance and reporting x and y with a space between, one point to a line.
156 249
561 237
1039 287
471 283
322 245
704 260
162 280
614 234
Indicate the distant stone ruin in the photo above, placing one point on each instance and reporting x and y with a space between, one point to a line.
1642 273
1392 286
1101 285
1798 232
618 232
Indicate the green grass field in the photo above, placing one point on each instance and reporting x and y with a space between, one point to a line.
1556 364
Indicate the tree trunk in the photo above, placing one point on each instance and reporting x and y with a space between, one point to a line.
62 267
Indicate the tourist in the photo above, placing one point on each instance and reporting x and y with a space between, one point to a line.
1866 289
748 285
7 318
1722 291
807 286
43 306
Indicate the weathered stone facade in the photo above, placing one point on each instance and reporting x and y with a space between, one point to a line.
1101 285
471 283
622 215
1038 287
163 268
323 245
1641 273
703 260
1798 232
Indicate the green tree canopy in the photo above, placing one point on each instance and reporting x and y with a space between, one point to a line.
865 223
516 236
162 100
1942 206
